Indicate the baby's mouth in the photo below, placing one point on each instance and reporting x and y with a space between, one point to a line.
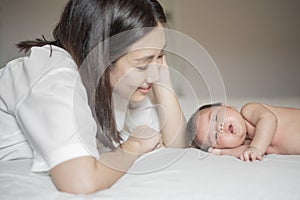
230 128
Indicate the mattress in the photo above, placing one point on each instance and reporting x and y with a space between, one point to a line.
170 173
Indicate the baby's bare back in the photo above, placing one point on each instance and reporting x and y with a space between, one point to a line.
287 136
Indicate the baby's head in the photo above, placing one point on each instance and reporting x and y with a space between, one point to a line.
218 126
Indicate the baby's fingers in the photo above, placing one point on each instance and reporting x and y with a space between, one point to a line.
253 156
250 156
242 157
245 156
259 157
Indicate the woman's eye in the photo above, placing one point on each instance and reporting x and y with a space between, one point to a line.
159 58
142 68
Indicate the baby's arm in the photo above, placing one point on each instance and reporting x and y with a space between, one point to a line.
236 152
265 122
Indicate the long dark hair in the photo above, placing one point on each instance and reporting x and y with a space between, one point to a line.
86 23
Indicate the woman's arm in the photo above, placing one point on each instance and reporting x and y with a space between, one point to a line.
173 130
84 175
265 122
87 175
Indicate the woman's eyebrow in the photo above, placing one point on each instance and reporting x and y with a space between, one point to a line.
148 57
145 58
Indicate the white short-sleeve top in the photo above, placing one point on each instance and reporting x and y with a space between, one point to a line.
44 112
130 115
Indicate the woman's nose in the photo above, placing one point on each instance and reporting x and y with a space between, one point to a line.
153 73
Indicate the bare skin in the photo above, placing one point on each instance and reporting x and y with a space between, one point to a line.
257 130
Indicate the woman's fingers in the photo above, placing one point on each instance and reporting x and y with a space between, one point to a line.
215 151
147 138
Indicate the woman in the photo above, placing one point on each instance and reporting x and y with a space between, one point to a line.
65 97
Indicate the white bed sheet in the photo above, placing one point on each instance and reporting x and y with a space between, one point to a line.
175 174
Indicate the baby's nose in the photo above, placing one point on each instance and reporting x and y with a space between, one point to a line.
220 127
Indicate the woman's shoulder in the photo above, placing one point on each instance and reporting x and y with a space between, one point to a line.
51 56
45 67
39 61
49 64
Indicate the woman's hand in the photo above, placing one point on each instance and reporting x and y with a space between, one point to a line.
164 76
170 115
142 140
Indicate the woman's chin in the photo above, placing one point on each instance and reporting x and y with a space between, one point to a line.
137 98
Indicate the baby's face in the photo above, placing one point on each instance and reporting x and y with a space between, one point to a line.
220 127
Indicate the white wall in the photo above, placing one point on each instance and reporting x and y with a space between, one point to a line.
25 19
255 43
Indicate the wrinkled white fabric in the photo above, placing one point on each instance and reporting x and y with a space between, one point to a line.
38 116
130 115
44 112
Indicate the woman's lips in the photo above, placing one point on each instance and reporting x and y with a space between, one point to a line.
145 89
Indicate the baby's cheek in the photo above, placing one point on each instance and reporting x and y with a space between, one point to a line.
227 142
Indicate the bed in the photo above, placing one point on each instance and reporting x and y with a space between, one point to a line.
170 173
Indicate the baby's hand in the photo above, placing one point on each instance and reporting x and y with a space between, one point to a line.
251 154
236 152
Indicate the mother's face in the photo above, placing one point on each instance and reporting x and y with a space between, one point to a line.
134 73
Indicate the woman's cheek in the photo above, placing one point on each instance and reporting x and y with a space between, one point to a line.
128 84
